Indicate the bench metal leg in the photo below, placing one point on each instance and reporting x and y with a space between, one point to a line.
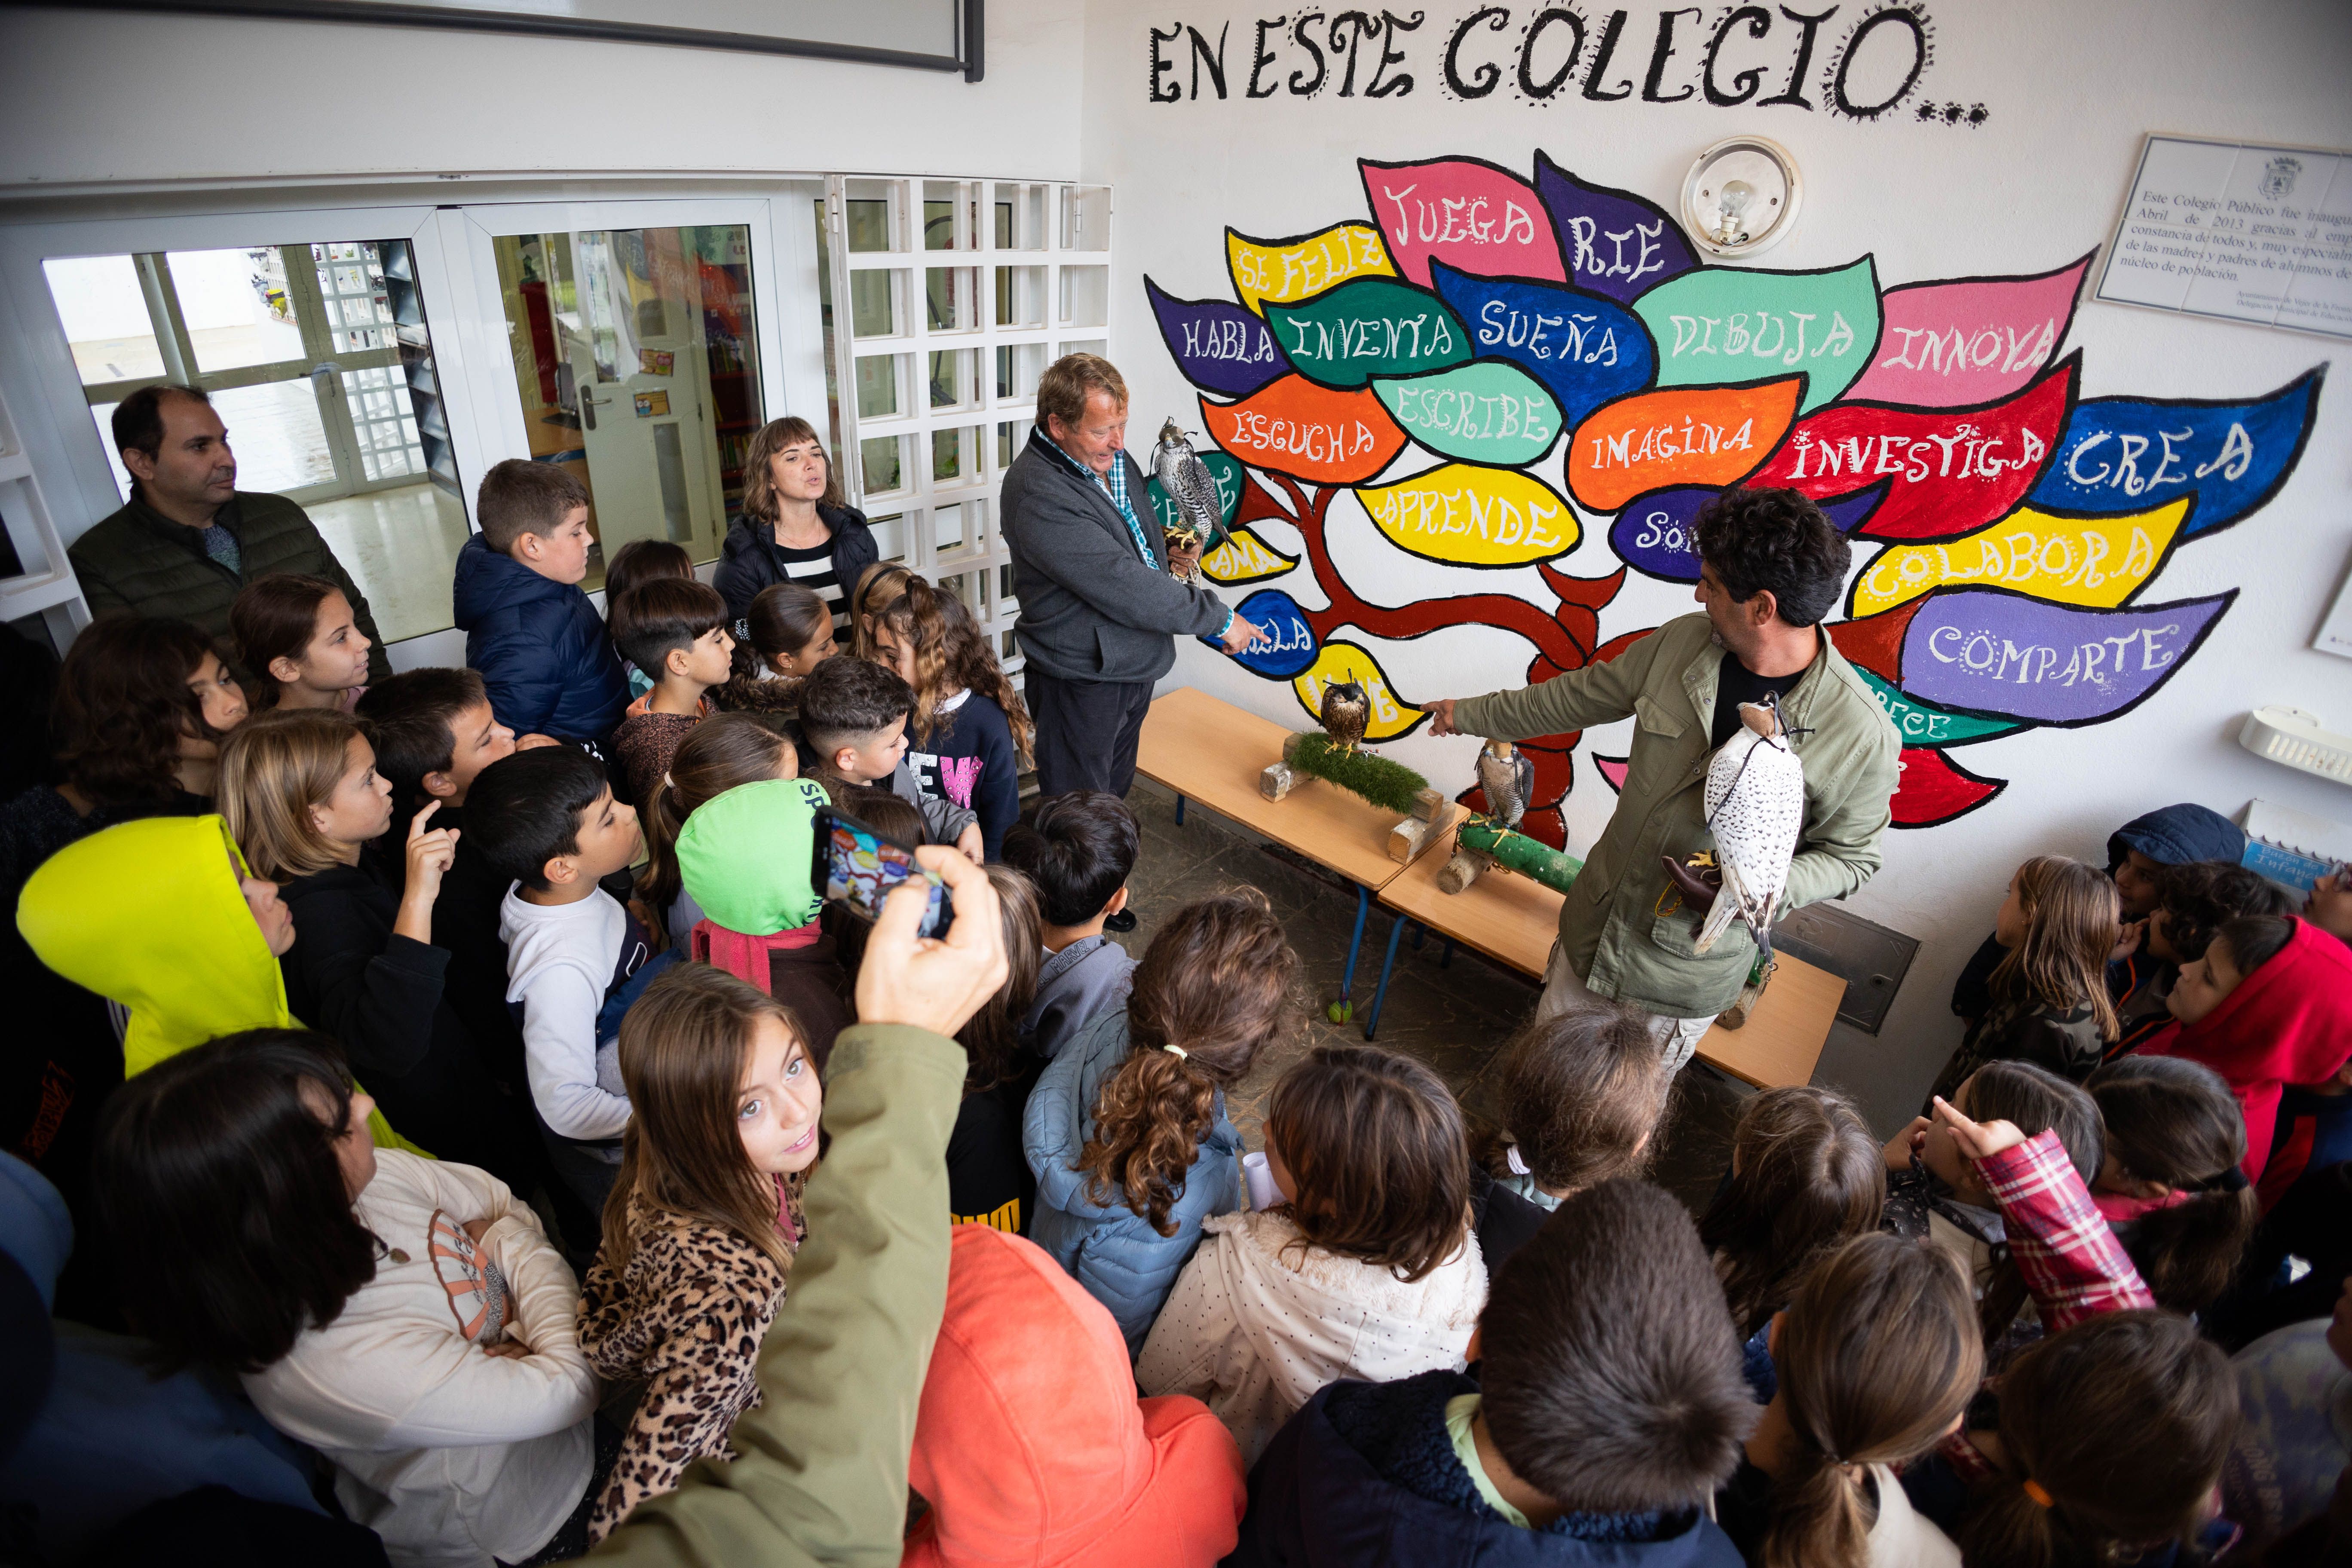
1447 960
1380 992
1355 944
1180 811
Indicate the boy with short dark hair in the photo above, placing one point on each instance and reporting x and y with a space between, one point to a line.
854 714
1079 850
575 958
675 630
530 631
1605 1406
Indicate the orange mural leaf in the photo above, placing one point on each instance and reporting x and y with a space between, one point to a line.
1684 436
1315 433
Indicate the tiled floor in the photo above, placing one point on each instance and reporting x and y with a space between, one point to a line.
400 545
1456 1018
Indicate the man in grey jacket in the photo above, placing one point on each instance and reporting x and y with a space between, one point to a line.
1099 612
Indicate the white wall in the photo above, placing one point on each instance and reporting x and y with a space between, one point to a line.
2069 90
109 98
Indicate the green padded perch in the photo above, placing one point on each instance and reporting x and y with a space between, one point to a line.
1528 857
1387 785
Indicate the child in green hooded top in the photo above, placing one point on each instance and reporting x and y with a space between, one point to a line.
162 917
745 857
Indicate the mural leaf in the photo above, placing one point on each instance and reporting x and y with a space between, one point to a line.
1373 326
1587 350
1291 644
1947 472
2126 454
1308 432
1730 323
1471 213
1390 715
1281 270
1244 557
1924 725
1688 435
1614 242
1969 340
1933 789
2097 561
1986 651
1220 347
1483 411
1612 769
1468 516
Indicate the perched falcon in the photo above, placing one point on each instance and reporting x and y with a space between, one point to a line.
1755 808
1345 710
1189 488
1508 777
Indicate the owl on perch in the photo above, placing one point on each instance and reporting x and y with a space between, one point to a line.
1344 713
1191 489
1509 780
1755 808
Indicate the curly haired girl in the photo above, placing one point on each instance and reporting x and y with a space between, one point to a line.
969 735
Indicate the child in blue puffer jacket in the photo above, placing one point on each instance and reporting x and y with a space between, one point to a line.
1126 1131
532 634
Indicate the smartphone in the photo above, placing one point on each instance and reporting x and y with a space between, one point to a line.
857 866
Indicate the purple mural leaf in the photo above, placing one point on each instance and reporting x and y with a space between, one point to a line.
1614 242
1222 349
1987 651
1653 533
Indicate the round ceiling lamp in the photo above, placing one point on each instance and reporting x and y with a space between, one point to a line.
1741 197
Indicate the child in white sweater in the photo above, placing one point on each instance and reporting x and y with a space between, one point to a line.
1367 1269
406 1317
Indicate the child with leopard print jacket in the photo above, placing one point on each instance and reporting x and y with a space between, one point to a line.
703 1223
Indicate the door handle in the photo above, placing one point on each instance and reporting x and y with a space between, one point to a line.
588 404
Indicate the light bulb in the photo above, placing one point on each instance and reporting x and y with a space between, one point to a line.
1730 206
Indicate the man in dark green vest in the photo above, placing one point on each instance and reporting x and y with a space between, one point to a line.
189 538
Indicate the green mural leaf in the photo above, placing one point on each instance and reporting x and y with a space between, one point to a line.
1926 725
1228 473
1485 412
1725 324
1373 326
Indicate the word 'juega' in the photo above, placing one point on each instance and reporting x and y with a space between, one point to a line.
1752 56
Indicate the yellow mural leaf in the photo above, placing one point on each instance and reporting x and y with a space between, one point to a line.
1471 516
2095 561
1243 557
1343 661
1284 270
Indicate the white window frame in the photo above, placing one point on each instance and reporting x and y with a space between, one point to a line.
1072 218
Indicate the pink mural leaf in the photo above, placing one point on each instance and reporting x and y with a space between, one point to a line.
1613 769
1465 212
1615 243
1932 789
1969 340
1947 471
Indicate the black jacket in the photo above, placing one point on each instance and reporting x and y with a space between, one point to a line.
380 996
748 561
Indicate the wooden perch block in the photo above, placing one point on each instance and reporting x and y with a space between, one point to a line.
1429 805
1276 781
1465 868
1409 837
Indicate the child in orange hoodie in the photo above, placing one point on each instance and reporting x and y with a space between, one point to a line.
1030 1445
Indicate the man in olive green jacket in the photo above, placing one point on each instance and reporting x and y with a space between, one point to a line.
189 539
1771 567
822 1473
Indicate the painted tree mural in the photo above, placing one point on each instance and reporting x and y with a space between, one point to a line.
1492 367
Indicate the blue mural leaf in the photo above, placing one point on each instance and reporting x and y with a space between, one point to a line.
1291 644
1587 350
2129 454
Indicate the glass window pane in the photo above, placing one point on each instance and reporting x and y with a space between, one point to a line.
877 386
277 435
636 369
953 383
104 313
236 306
874 303
951 296
947 462
938 225
882 458
868 223
890 535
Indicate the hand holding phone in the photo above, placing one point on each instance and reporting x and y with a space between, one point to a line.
858 865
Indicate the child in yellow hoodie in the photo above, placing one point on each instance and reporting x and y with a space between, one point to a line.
161 918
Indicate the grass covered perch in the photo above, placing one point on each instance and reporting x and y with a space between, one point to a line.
1388 784
1528 857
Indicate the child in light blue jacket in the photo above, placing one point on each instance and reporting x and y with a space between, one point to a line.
1127 1131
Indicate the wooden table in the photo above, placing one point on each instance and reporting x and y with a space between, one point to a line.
1512 920
1212 753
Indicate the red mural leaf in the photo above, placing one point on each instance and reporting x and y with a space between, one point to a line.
1875 642
1318 434
1933 789
1948 471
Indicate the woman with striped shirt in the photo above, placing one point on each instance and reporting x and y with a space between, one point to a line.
796 528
